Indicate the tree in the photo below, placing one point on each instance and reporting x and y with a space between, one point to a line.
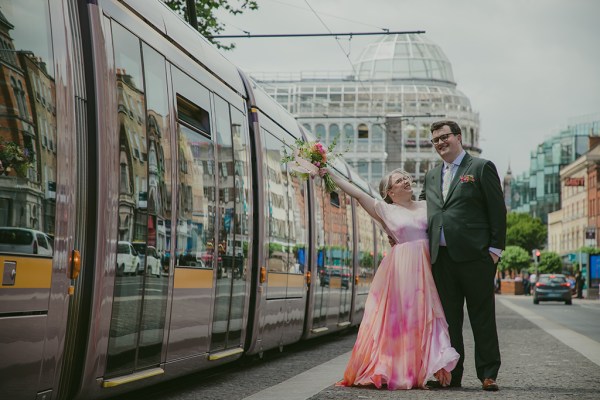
589 250
525 231
208 25
514 258
550 263
366 260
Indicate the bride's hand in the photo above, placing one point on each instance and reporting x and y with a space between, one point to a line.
320 172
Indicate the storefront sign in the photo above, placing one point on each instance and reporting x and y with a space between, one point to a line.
575 182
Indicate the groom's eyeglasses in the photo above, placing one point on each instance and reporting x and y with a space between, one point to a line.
442 138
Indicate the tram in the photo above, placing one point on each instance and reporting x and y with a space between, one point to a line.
147 226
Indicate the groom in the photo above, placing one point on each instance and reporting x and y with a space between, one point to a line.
467 228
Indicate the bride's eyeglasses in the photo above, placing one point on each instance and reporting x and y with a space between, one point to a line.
403 179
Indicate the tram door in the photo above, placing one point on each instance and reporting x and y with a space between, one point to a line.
34 166
231 250
194 231
144 192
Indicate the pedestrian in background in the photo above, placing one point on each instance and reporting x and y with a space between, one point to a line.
579 284
526 286
532 282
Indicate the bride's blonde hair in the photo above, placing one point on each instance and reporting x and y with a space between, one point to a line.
386 183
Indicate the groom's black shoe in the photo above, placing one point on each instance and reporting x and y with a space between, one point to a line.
438 385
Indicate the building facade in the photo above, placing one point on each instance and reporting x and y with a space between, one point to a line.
538 190
567 226
380 113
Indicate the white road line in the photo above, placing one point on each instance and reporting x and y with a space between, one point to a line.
308 383
578 342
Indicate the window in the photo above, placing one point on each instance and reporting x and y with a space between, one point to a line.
348 135
363 131
320 132
193 115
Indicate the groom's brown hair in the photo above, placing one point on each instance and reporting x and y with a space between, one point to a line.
454 127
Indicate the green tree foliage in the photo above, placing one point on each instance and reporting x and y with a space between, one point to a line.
208 25
550 263
525 231
366 260
514 258
589 250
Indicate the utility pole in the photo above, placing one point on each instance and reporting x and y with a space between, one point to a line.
393 137
191 12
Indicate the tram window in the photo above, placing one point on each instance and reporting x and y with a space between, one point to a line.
191 114
195 245
27 62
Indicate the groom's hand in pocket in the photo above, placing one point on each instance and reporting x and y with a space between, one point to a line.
494 257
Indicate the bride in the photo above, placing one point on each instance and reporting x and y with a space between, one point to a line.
403 339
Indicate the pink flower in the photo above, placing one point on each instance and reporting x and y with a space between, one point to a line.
467 178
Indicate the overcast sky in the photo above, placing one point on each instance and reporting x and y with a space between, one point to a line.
528 66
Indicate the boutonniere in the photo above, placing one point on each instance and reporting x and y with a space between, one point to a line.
467 178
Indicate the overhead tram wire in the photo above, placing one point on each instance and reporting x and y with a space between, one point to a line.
326 14
248 35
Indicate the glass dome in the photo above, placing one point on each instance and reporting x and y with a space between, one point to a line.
410 56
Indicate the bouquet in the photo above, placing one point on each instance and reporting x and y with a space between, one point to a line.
309 159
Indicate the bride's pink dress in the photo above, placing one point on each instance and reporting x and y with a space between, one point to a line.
403 338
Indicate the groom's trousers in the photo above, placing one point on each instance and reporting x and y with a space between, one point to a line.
472 281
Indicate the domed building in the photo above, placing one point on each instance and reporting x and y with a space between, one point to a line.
381 111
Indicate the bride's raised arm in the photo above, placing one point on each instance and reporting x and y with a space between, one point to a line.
365 200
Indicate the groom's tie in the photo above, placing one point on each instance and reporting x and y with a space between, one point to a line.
446 179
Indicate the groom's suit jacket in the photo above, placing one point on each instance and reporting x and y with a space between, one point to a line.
473 214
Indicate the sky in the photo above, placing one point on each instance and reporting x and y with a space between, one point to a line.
528 66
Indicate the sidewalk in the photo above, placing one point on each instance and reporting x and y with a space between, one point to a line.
535 365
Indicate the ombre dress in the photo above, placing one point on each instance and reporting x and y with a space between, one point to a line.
403 338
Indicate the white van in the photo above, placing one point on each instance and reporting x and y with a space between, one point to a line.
25 241
128 261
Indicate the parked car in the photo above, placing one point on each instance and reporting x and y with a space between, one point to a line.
140 247
335 271
153 265
26 241
552 287
128 261
149 259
